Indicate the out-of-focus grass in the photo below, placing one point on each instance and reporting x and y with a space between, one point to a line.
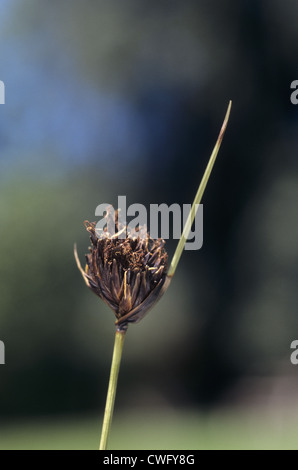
181 431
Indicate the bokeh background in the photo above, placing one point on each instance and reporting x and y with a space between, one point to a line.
108 98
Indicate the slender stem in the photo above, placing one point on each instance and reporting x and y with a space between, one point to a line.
107 420
198 197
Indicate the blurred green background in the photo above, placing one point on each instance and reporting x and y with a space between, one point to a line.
108 98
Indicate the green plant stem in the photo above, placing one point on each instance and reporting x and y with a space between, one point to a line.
198 197
108 415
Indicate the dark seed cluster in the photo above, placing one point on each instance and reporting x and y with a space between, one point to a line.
128 274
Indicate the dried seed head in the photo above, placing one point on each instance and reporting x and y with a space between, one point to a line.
129 274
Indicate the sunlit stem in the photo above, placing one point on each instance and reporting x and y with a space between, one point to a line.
108 415
199 195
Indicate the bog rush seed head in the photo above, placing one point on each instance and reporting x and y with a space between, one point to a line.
128 274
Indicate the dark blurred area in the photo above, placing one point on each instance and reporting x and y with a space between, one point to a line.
107 98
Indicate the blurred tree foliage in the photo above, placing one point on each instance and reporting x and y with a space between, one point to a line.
108 98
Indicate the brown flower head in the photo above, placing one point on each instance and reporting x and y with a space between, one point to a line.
129 274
